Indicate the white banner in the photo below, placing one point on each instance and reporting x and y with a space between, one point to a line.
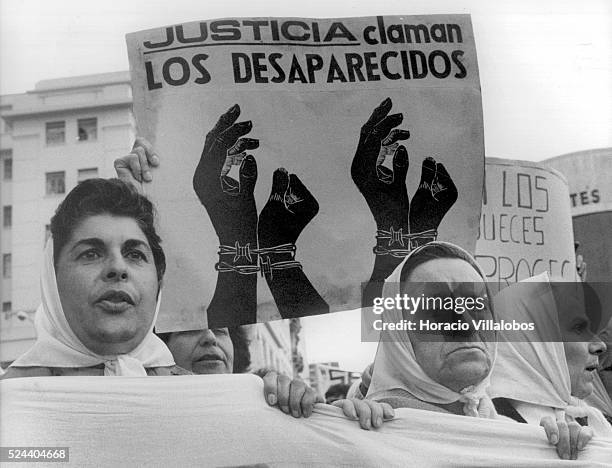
223 420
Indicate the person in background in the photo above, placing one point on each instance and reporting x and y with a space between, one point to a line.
543 375
210 351
359 388
601 398
336 392
581 265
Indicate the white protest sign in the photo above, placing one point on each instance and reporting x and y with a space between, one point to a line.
589 176
229 102
525 226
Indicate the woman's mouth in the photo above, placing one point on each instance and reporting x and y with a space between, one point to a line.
209 364
115 301
468 348
209 357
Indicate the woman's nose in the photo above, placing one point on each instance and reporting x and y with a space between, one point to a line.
207 337
116 269
596 346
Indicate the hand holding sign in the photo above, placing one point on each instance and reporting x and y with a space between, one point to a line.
135 167
435 196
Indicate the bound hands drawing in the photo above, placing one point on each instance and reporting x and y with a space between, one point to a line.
247 239
250 243
401 225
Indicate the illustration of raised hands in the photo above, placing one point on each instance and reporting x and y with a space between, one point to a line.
384 189
433 198
289 209
401 225
229 202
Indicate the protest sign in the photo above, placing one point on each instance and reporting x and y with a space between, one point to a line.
589 175
525 226
291 147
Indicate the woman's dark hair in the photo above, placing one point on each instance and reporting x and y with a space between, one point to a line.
106 196
242 353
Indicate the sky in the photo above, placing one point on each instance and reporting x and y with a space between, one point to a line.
545 73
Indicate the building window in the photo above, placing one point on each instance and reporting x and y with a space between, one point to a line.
87 129
7 164
5 125
56 133
7 215
56 182
7 306
6 265
84 174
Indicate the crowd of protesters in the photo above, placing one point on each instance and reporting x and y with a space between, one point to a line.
101 288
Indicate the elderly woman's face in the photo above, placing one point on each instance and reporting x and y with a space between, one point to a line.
605 360
454 361
107 283
208 351
582 346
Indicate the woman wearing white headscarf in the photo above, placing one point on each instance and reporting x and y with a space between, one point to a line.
449 372
446 372
602 383
100 286
545 373
600 398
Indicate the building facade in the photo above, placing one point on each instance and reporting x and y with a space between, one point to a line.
51 138
62 132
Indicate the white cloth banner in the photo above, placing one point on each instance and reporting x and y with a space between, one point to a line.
215 420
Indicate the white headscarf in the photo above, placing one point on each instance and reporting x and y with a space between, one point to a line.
397 372
600 398
534 370
57 345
